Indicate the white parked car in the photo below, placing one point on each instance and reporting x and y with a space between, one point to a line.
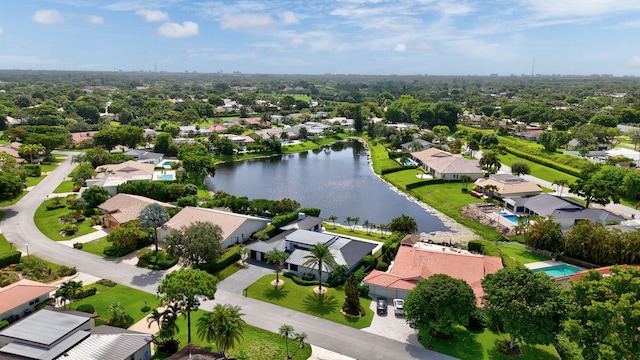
398 307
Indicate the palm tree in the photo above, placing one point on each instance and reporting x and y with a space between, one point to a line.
320 255
244 254
67 291
169 326
31 150
277 257
223 326
155 317
287 332
151 217
490 162
465 179
561 184
333 219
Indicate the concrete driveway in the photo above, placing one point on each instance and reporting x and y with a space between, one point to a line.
392 326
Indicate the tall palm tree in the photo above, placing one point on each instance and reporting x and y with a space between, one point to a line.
320 255
223 326
151 217
277 257
31 150
169 325
287 332
155 317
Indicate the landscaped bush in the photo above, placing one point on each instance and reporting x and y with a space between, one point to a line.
32 170
544 162
566 349
55 205
308 277
268 232
368 260
301 282
66 271
363 290
42 304
281 220
229 257
9 257
88 308
382 266
168 346
187 201
70 229
4 324
83 293
359 274
145 309
424 183
78 245
106 282
396 169
111 251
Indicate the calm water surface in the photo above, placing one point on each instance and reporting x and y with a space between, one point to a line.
336 179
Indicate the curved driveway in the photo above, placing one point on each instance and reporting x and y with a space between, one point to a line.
19 228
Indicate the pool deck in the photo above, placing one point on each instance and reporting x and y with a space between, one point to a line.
544 264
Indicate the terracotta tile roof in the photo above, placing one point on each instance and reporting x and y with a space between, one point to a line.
603 270
126 170
126 207
22 292
413 264
79 137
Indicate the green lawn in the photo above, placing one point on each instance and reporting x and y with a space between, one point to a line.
380 157
479 345
96 246
520 253
48 223
48 167
33 181
132 299
371 235
228 271
256 343
64 187
537 170
303 299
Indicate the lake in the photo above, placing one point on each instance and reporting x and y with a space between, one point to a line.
335 178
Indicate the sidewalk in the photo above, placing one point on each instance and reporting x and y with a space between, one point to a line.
98 234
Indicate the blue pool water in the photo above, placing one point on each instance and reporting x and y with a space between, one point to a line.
509 217
167 163
410 162
558 270
166 177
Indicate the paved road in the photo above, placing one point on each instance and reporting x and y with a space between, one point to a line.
19 228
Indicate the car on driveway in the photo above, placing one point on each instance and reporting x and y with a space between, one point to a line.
398 307
382 306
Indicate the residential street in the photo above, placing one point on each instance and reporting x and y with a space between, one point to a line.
19 228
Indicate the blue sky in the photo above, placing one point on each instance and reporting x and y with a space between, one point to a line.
405 37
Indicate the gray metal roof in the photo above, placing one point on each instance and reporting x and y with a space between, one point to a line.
23 350
307 223
277 242
108 347
600 216
309 238
44 327
345 251
545 204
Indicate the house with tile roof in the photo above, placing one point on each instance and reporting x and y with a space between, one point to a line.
78 137
507 186
13 150
566 280
296 242
111 175
236 228
444 165
20 298
144 156
122 208
413 264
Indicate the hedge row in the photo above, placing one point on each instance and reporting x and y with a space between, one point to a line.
228 258
395 169
301 282
9 257
32 170
418 184
544 162
282 220
489 248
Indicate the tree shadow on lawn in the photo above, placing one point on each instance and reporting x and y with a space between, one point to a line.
275 293
528 352
321 304
463 344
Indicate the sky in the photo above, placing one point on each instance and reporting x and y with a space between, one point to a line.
373 37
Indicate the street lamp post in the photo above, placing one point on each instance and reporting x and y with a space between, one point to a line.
28 257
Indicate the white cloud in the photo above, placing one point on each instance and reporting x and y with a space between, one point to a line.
48 17
253 23
94 19
634 62
289 18
400 48
579 8
153 15
175 30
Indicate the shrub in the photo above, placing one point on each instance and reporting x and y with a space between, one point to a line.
567 349
42 304
382 266
86 293
367 260
78 245
545 162
190 189
32 170
4 324
308 277
106 282
476 320
231 256
55 205
66 271
301 282
168 346
70 229
363 290
359 274
187 201
9 257
145 309
88 308
111 251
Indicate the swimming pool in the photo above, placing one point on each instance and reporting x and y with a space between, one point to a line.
509 217
409 162
558 270
167 163
165 177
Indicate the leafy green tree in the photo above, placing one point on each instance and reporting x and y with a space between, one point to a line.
87 111
438 303
319 257
528 306
277 257
83 172
603 314
465 180
95 195
126 236
186 287
50 141
601 187
490 162
352 297
441 132
631 184
634 136
605 120
593 242
153 216
118 317
198 245
163 142
403 224
224 327
11 178
520 168
108 138
32 150
544 233
561 184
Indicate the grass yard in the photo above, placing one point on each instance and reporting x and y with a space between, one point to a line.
46 168
537 170
96 247
303 299
371 235
520 253
228 271
64 187
132 299
380 157
479 345
48 223
33 181
256 343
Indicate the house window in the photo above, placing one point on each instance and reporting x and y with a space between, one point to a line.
293 267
